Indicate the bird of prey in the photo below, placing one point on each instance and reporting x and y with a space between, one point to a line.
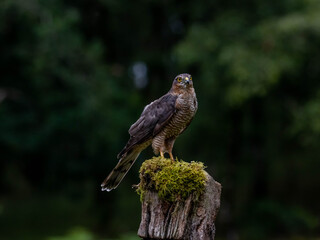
160 123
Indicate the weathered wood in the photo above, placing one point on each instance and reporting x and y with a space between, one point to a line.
187 219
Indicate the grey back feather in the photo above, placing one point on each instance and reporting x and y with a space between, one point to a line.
153 118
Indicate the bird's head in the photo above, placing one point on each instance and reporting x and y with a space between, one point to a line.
183 81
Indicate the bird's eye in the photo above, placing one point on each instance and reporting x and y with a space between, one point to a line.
190 78
179 79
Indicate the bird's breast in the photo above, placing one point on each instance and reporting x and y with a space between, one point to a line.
186 109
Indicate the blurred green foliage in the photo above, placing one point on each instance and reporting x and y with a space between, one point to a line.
69 90
83 234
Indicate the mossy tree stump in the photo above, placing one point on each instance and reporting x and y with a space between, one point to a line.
179 200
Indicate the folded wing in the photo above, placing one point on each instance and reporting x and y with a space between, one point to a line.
153 118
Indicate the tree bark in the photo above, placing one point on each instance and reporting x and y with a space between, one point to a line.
187 219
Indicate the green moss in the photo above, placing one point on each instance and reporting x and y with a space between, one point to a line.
172 180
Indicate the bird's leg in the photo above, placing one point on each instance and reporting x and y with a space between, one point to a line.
171 156
161 154
169 146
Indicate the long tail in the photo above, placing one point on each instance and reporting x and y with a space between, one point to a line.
118 173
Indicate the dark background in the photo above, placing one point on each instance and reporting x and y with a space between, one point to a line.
74 75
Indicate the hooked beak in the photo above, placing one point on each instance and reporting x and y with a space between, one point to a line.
187 81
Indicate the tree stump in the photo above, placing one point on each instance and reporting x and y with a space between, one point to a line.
188 219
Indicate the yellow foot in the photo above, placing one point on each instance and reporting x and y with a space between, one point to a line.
171 156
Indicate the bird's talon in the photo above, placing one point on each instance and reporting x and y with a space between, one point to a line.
135 186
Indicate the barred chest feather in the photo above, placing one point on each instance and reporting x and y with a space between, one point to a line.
186 108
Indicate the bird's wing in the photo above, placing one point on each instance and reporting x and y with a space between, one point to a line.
152 120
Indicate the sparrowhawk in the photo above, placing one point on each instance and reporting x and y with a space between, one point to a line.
160 123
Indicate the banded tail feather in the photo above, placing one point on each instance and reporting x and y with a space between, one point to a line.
120 170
